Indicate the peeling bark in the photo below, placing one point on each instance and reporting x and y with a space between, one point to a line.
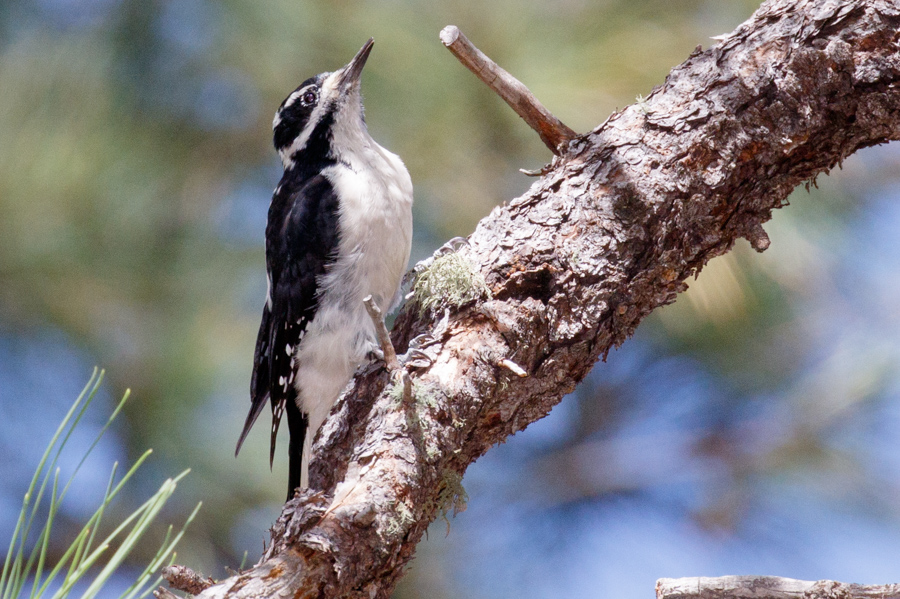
611 232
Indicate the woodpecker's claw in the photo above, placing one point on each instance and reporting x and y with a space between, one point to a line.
424 348
452 245
415 358
375 355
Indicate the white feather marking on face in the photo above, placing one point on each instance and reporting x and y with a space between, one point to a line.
327 94
293 97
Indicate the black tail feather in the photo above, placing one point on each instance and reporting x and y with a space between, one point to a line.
255 410
260 381
297 427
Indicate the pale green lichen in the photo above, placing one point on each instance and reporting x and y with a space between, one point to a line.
400 521
642 105
453 496
422 394
432 451
425 393
450 282
396 392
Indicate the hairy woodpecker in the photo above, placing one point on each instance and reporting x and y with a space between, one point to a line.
339 229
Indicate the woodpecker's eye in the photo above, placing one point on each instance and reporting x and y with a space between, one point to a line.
309 98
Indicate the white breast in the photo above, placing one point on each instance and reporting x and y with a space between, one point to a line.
375 221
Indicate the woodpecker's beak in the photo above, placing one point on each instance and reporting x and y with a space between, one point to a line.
350 73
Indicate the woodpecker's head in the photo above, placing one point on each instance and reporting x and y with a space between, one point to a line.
323 114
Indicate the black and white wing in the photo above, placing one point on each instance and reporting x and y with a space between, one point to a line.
301 241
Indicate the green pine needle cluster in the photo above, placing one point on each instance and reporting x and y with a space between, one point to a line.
87 554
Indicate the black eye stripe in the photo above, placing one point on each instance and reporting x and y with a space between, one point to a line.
296 112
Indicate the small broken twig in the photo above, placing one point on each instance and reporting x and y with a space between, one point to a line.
535 173
758 238
387 348
513 367
554 133
381 332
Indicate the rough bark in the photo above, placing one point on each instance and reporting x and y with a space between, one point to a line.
769 587
611 232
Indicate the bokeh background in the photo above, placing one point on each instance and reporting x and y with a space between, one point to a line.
751 428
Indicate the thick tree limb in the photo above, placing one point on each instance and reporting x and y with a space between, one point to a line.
769 587
611 232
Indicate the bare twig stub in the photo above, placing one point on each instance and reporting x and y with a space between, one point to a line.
512 366
387 348
381 332
554 133
768 587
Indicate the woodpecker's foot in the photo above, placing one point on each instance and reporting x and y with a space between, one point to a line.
452 245
415 358
375 355
424 348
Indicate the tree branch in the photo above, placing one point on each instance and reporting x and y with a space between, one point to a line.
611 232
769 587
553 132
